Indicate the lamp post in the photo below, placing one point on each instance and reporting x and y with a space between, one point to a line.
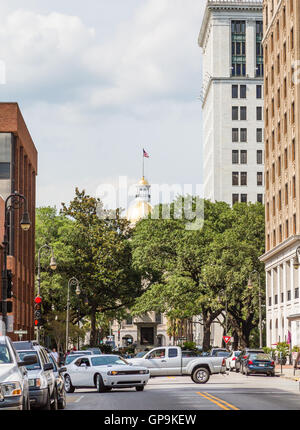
72 282
16 202
53 266
250 286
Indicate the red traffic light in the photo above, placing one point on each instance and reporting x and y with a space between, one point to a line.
36 322
38 299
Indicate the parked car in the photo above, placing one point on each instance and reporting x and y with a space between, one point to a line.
172 361
73 354
243 356
42 381
60 383
14 385
104 372
95 350
231 360
215 352
83 352
259 363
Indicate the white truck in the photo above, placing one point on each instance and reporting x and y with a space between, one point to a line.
173 361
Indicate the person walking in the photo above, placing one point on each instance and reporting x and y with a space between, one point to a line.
55 355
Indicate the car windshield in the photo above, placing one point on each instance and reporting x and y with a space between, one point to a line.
5 357
259 356
34 366
70 358
108 360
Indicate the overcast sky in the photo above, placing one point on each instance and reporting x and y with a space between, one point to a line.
99 80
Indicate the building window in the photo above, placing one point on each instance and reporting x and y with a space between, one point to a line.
293 150
285 158
259 135
259 179
129 320
158 317
235 178
294 224
243 198
259 113
282 297
296 293
259 157
293 113
243 113
270 303
238 54
235 157
235 135
294 187
244 157
260 198
243 178
286 194
4 170
258 91
289 295
279 201
259 49
243 91
276 299
287 228
243 135
235 199
280 233
279 166
235 91
235 113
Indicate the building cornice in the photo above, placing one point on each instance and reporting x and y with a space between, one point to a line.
228 6
287 243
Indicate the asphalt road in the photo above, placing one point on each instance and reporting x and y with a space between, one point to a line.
229 392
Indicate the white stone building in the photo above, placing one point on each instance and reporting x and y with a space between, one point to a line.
232 100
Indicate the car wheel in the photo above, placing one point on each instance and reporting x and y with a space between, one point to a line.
68 385
62 402
47 406
140 388
54 404
99 383
237 370
200 375
272 374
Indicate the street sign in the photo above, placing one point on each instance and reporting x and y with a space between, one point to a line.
226 339
20 332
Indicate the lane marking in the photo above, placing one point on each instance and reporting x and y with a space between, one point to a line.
223 401
74 399
78 400
213 401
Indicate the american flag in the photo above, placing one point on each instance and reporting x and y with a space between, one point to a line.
145 154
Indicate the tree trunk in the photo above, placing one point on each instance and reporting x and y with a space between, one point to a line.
93 337
206 332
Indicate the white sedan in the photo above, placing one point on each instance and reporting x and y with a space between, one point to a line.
104 372
230 361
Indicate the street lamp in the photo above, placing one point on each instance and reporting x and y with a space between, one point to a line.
72 282
297 258
53 266
16 202
250 286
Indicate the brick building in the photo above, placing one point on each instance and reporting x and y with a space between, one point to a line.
18 170
281 45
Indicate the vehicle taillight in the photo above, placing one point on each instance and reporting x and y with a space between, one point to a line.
233 358
245 356
250 362
223 362
272 363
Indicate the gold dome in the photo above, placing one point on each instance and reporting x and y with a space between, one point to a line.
138 210
143 181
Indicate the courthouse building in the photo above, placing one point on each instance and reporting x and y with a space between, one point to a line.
281 44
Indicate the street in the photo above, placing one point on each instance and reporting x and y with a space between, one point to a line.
232 392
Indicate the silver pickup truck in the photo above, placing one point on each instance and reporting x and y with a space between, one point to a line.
173 361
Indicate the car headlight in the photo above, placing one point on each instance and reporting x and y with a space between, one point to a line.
38 382
11 389
113 372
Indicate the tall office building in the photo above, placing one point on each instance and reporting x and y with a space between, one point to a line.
281 46
232 100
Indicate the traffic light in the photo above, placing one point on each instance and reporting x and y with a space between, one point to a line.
9 284
38 311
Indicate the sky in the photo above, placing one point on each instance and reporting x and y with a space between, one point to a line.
97 81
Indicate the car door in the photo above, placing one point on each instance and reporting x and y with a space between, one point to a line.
173 364
156 361
83 373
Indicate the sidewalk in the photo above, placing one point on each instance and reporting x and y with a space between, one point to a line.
288 372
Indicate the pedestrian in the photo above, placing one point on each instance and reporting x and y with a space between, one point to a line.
55 355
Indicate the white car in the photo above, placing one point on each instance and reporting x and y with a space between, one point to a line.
230 361
104 372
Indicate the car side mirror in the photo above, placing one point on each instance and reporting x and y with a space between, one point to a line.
27 360
48 366
62 370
